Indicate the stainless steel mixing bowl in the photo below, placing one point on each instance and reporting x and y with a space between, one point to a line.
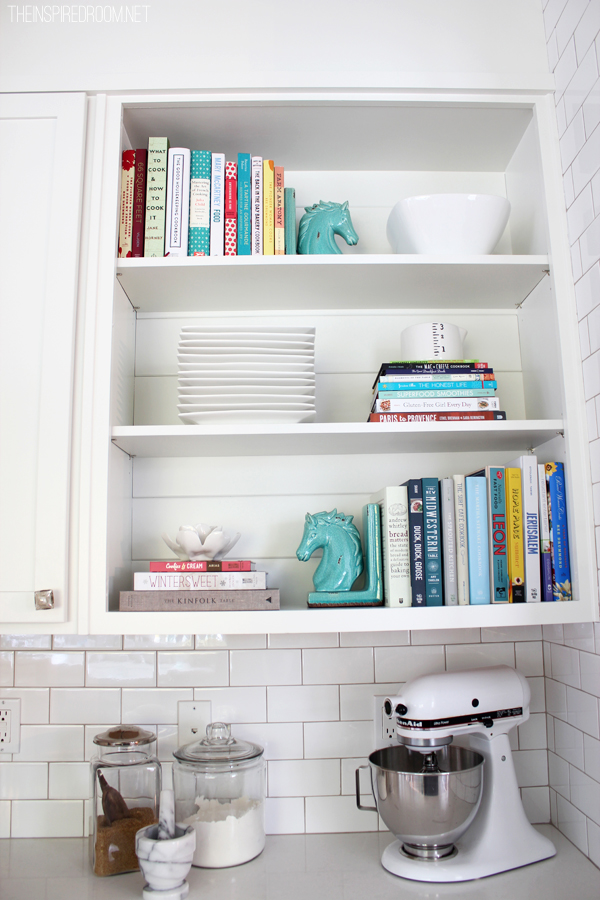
427 802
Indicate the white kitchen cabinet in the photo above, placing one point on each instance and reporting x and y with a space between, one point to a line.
41 174
149 473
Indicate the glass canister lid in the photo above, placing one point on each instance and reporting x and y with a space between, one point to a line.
218 748
124 736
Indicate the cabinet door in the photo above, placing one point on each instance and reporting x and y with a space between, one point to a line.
41 167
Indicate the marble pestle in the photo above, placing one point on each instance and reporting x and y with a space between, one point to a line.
166 816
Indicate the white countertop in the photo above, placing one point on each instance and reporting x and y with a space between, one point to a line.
292 867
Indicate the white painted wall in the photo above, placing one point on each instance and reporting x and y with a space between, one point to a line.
312 43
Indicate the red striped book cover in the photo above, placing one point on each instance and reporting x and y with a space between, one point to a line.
230 209
126 219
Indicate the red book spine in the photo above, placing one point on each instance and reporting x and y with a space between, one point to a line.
230 209
139 202
203 565
126 216
475 416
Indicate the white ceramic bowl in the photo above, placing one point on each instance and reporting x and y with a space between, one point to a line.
457 224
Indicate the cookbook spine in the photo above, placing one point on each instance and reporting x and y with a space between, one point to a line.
433 549
139 203
126 218
545 552
416 546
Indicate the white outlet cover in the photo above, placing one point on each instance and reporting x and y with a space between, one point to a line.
192 718
383 726
10 726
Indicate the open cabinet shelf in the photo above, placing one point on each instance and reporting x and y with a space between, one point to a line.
332 438
348 281
151 474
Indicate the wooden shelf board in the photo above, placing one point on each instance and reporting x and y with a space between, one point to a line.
304 621
348 281
332 438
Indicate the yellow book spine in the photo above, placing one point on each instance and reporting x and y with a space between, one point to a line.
514 527
268 207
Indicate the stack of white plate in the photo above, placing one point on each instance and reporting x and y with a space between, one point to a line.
246 374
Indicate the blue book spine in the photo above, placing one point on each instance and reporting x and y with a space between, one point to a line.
433 546
199 222
559 536
415 541
545 554
244 229
436 385
477 538
497 523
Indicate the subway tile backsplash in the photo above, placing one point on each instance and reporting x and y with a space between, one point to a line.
571 651
307 699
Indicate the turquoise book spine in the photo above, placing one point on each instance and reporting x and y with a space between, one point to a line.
467 386
289 215
244 234
199 228
477 540
434 588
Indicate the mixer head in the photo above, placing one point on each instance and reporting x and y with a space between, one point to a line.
432 709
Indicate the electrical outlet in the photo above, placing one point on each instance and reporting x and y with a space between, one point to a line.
192 718
385 733
10 726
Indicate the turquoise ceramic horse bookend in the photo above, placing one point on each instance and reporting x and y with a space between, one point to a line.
342 560
319 224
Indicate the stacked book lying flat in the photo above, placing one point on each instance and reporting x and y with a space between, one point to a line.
497 535
433 391
211 585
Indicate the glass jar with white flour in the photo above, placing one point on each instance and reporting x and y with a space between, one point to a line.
219 787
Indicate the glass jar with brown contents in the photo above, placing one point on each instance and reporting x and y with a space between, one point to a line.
126 783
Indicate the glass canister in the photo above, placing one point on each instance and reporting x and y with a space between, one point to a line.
126 783
220 789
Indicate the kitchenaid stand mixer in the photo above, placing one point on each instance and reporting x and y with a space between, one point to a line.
457 812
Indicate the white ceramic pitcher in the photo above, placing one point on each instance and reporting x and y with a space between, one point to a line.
432 340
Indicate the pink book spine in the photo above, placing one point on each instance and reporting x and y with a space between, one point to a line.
202 565
230 209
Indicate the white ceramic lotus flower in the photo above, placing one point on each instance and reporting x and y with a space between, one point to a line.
201 542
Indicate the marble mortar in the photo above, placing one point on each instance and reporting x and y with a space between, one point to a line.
165 862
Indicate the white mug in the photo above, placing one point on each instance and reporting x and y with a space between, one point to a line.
432 340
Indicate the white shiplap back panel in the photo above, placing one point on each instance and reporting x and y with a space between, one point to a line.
269 525
356 342
384 189
371 196
339 398
188 477
317 133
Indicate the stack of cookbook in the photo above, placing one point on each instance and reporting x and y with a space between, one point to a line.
259 374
